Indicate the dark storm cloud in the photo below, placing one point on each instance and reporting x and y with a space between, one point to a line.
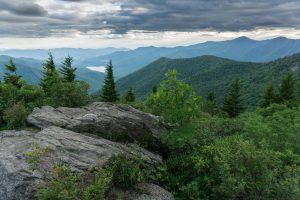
155 15
192 15
23 8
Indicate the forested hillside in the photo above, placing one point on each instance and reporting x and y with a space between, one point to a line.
212 74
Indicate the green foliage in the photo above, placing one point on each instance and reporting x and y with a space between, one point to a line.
287 90
127 171
70 94
253 156
67 71
210 73
11 76
16 102
129 96
34 157
98 188
201 131
17 98
15 116
109 93
174 100
277 125
230 168
269 96
210 105
63 185
50 75
233 104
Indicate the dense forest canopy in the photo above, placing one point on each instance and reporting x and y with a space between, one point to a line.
208 74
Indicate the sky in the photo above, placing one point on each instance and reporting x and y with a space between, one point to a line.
134 23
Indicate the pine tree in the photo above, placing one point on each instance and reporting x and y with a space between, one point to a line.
109 93
50 74
233 100
11 76
269 96
210 105
287 89
67 70
129 96
154 89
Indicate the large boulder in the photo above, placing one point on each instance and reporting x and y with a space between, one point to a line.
104 119
63 146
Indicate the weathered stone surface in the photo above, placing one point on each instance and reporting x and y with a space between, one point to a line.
80 151
146 191
101 119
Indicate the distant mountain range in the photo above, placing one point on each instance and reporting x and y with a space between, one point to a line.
127 61
240 49
213 74
59 53
31 70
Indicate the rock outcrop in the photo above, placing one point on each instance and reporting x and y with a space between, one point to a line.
146 191
78 150
101 119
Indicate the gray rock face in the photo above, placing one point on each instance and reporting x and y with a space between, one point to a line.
80 151
146 191
101 119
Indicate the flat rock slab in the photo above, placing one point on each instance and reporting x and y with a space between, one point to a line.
102 119
79 151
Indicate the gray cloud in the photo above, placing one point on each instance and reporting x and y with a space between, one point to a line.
149 15
23 8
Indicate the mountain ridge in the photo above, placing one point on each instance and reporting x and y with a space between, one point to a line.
240 49
212 74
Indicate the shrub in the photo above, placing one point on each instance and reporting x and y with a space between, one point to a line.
231 168
70 94
127 171
174 100
62 185
15 116
35 157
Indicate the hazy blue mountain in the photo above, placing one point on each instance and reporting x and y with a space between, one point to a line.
212 74
31 70
240 49
59 53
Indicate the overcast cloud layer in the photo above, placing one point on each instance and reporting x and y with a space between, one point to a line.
115 19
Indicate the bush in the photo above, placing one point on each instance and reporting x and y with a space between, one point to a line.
69 94
231 168
201 131
127 171
278 126
62 185
174 100
15 116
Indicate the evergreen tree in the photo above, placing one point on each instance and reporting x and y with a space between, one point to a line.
269 96
287 89
233 100
11 76
210 105
50 74
129 96
109 93
67 70
154 89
